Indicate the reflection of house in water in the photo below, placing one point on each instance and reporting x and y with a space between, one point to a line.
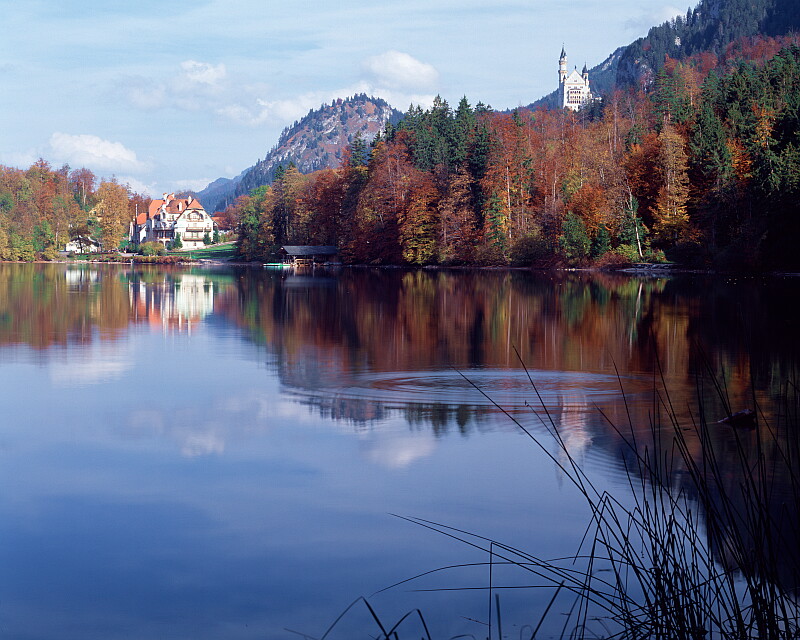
176 301
79 277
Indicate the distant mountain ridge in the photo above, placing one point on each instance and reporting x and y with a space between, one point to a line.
317 141
711 26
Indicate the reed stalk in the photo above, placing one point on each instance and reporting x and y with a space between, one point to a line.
704 547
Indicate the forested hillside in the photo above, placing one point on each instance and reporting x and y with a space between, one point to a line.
317 141
703 169
712 27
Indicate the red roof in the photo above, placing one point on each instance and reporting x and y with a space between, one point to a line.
174 206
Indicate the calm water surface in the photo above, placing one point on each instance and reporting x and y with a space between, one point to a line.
217 453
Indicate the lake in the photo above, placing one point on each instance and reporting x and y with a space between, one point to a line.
232 453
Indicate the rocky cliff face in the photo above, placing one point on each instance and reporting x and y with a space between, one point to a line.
317 141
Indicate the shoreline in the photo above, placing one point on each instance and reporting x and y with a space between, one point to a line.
639 269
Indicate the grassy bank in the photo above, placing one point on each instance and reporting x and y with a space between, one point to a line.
225 251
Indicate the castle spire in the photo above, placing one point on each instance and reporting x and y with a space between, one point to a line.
562 66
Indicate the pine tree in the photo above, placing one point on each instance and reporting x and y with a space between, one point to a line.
574 240
359 153
462 132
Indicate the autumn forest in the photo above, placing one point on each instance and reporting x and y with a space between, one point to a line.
699 165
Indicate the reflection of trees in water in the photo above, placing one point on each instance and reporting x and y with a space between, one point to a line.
743 482
441 418
45 305
444 419
749 490
396 320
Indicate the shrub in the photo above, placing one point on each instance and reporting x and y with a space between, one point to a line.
50 253
690 254
530 249
655 255
22 249
206 238
629 252
613 260
152 249
489 255
160 259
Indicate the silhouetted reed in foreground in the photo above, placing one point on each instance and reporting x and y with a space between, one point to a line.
705 546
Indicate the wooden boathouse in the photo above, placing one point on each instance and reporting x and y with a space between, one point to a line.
309 255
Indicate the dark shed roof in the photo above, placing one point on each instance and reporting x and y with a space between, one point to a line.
310 250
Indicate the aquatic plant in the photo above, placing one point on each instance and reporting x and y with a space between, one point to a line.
704 546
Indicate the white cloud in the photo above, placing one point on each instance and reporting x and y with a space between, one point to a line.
147 189
94 152
196 86
398 70
653 17
145 95
285 110
192 185
19 158
203 72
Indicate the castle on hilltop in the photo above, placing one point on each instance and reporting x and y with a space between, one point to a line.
573 87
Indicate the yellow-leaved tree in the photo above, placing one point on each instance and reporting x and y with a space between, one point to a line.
112 213
671 222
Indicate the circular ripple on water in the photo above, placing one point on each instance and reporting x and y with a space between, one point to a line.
507 388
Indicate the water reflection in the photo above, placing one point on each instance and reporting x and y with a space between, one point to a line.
220 368
359 343
178 301
363 342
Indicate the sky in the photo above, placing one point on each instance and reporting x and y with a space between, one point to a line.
168 95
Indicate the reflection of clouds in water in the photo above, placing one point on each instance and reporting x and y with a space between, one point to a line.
97 363
202 444
204 430
196 432
397 450
572 426
573 431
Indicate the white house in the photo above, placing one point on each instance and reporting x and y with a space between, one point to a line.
573 87
82 244
171 216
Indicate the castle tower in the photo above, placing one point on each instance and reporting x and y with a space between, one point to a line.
562 66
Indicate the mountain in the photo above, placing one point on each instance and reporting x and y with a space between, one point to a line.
711 27
315 142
